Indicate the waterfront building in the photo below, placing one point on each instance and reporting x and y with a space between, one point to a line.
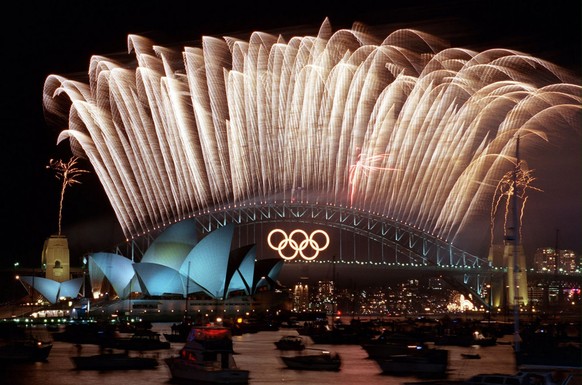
176 266
301 297
549 259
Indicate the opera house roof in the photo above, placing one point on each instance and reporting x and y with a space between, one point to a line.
175 263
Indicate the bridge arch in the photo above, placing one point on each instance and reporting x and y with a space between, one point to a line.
359 238
400 242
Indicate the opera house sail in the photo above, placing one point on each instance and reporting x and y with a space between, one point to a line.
175 265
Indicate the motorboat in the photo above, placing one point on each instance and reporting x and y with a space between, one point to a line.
290 342
140 340
432 363
546 345
207 357
390 344
96 333
114 361
466 339
23 344
180 331
321 361
549 377
354 333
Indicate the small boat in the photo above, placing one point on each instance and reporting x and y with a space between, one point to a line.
471 356
97 333
522 378
390 344
440 381
179 332
114 361
207 357
433 363
23 344
543 345
341 334
140 340
290 342
466 339
322 361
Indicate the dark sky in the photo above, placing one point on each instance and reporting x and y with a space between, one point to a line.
59 37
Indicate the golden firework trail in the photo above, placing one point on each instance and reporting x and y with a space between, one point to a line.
68 173
229 122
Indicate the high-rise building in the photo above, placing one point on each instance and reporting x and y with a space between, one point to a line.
549 259
301 297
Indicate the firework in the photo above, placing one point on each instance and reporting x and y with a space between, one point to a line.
402 126
68 173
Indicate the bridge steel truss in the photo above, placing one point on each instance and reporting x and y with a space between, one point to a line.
410 244
411 248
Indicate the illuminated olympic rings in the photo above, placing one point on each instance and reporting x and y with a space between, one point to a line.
298 247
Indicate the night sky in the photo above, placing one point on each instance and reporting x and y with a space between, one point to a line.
59 37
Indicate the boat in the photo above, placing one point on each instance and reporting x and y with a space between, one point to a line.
523 378
432 363
321 361
290 342
180 331
18 344
140 340
338 333
390 344
550 345
207 357
95 333
253 325
466 339
114 361
471 356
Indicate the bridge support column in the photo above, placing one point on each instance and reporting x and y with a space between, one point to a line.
517 291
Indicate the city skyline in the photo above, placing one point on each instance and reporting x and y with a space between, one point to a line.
79 193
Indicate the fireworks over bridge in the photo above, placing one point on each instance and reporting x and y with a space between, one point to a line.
400 138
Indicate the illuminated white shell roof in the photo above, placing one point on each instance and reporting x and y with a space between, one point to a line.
53 290
172 246
208 266
116 268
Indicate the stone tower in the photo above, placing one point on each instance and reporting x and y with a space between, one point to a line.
55 258
516 281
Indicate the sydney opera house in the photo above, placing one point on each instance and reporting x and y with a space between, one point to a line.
176 266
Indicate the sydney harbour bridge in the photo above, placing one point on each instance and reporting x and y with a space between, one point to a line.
399 146
354 239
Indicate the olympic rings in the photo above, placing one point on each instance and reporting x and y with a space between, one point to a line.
298 248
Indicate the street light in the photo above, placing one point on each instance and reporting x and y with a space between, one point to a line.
490 301
17 277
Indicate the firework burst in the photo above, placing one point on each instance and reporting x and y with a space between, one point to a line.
68 173
403 126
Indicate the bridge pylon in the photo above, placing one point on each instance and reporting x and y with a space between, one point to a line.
504 290
517 291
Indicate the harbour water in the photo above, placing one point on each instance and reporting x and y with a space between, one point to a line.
255 352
